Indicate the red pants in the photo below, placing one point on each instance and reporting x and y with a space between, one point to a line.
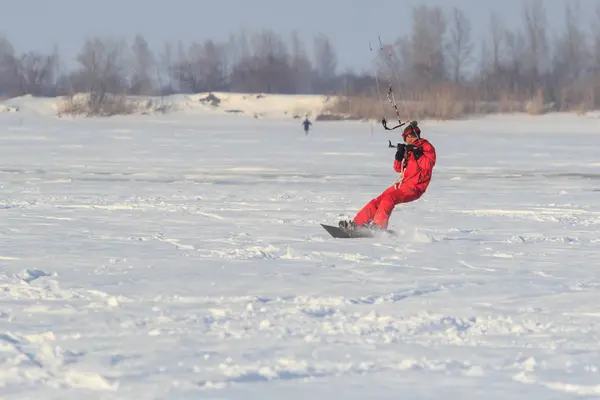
380 209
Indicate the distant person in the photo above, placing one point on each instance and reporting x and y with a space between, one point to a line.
306 125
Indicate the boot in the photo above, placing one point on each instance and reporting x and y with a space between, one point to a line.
348 225
374 227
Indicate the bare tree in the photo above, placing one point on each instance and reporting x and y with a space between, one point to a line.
484 63
243 45
102 70
8 69
143 63
403 62
571 49
595 45
237 49
165 68
460 46
497 36
232 51
516 53
255 74
30 73
181 59
36 73
203 68
570 61
501 61
226 65
301 65
210 64
429 27
594 70
183 73
536 56
494 71
267 69
325 61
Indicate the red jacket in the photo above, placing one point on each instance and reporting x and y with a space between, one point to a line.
416 174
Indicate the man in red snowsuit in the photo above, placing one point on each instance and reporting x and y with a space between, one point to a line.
414 161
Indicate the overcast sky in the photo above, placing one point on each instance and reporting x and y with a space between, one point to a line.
41 24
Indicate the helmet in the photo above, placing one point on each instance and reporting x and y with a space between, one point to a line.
413 129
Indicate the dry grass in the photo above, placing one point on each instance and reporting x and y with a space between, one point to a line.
444 102
88 105
83 104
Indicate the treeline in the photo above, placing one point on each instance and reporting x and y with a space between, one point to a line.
439 68
247 62
446 72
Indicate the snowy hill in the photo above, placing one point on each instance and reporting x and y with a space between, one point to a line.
261 105
252 105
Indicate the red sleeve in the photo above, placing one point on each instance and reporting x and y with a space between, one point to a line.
427 161
397 166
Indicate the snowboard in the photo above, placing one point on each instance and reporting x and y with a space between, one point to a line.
341 233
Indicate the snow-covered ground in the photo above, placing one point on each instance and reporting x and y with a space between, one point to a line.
181 257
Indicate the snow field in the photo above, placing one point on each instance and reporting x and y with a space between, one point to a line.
181 257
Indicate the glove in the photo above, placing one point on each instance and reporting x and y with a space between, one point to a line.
417 151
401 150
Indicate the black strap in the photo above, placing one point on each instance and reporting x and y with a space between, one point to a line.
384 123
